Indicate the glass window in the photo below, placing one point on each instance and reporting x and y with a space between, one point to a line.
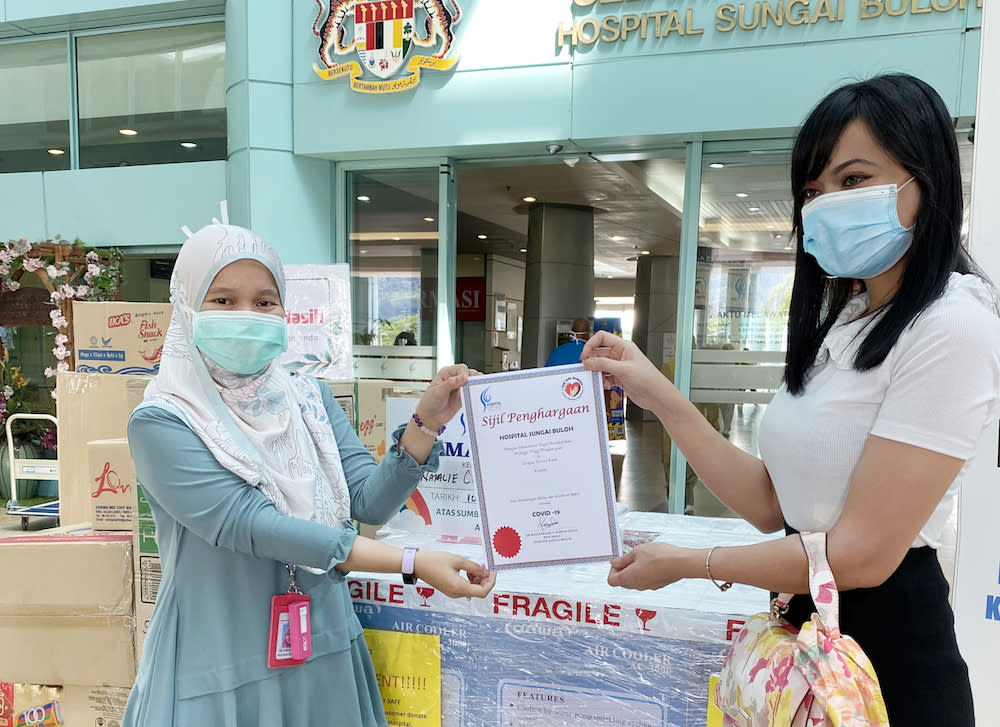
34 115
743 285
152 96
394 267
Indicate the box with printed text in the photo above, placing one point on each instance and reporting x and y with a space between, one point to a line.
119 337
112 484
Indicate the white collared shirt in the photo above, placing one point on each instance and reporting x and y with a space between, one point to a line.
939 389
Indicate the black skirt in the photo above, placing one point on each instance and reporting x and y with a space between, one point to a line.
907 629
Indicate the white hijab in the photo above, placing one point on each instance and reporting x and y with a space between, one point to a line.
269 428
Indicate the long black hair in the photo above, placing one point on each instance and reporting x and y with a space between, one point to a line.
908 119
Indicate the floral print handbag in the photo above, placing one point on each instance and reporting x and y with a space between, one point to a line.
777 675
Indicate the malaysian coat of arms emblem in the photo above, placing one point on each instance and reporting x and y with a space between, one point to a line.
382 35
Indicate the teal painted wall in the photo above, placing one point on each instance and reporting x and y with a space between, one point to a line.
122 206
26 17
515 89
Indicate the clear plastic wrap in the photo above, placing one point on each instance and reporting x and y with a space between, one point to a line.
558 646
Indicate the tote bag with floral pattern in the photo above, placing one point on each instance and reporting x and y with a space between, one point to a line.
777 675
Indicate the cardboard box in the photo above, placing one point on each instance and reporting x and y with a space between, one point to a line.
68 650
93 706
147 570
112 485
89 407
343 393
69 571
119 337
371 402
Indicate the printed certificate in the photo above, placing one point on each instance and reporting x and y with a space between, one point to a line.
539 446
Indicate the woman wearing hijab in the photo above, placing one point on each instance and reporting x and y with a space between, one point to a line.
252 474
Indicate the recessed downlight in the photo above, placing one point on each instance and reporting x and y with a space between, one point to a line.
363 198
742 195
644 252
428 219
128 132
528 198
56 152
717 165
481 237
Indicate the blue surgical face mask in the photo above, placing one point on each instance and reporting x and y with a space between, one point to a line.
242 342
856 233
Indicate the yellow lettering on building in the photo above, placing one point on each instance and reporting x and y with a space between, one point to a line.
630 24
797 12
609 29
563 35
871 9
824 9
689 24
726 15
943 6
891 9
673 24
583 3
585 26
917 9
751 24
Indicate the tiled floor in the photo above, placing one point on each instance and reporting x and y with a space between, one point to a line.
643 485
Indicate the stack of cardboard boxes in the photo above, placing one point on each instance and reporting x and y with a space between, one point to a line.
68 596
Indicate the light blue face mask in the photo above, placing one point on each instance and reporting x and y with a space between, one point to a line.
856 233
242 342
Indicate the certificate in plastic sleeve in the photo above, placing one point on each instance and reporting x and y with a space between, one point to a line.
539 447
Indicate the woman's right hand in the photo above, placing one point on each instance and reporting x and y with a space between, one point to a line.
443 571
624 365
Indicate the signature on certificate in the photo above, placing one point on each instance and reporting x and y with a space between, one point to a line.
546 518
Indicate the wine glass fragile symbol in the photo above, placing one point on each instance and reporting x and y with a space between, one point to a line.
425 593
645 615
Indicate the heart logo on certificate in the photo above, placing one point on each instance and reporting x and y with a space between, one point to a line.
572 388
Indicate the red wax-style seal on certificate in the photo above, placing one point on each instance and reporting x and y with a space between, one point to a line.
506 542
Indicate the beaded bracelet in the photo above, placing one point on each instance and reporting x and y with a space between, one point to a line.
425 430
721 586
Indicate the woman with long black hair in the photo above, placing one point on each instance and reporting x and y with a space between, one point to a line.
887 395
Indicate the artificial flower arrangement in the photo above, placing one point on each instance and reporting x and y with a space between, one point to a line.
69 271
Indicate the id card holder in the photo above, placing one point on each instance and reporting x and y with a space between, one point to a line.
290 640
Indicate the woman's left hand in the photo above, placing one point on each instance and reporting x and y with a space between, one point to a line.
651 566
443 397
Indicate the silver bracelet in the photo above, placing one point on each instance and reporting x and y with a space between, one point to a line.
708 570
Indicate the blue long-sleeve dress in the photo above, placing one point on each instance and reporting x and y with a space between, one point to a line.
223 547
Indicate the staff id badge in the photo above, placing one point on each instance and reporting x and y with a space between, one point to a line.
290 639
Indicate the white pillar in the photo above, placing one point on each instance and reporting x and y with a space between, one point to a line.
977 576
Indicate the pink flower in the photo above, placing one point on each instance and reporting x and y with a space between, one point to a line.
52 271
93 257
81 291
58 319
49 372
31 264
4 269
13 285
22 246
61 339
67 291
53 394
5 255
8 392
93 269
60 352
63 366
55 296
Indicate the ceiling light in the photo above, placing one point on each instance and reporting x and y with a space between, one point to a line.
610 277
428 219
644 252
56 152
362 251
188 144
127 132
363 198
717 165
741 195
524 249
617 238
481 237
788 247
396 239
778 236
528 198
770 227
753 209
